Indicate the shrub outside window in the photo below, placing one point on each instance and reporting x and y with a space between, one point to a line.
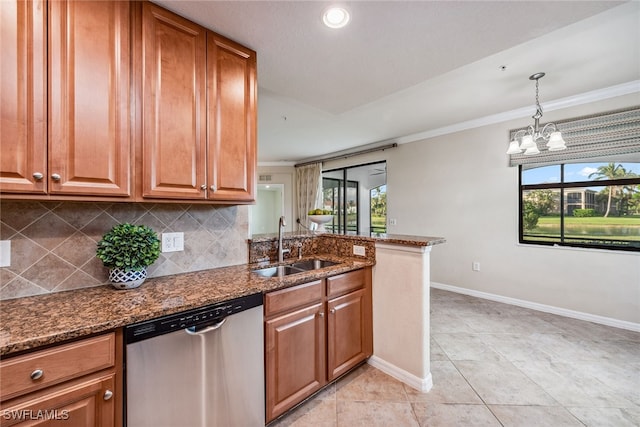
587 204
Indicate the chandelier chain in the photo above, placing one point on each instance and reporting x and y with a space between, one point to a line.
538 114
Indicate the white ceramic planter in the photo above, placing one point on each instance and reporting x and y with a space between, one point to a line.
121 279
320 221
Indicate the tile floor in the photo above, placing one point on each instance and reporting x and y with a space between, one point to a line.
495 365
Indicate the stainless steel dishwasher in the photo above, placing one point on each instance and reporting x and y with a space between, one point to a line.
201 368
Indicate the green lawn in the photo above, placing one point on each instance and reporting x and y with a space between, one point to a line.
610 228
593 220
378 221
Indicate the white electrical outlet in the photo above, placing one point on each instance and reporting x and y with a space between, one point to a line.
393 221
359 250
475 266
5 253
172 242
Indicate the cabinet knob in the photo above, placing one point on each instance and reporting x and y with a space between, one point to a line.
321 314
332 311
107 395
55 177
37 374
203 187
38 176
212 188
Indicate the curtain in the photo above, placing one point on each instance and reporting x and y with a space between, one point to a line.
600 135
309 189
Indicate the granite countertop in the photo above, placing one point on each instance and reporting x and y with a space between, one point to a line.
32 322
399 239
404 239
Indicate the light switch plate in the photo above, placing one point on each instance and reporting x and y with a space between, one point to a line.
5 253
172 242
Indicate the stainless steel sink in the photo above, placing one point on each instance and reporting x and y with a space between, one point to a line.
295 268
313 264
279 271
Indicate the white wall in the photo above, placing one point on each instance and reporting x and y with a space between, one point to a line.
284 175
267 210
459 186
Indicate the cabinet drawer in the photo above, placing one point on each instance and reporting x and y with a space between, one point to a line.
290 298
56 364
343 283
82 402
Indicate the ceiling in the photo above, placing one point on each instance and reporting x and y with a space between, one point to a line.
401 68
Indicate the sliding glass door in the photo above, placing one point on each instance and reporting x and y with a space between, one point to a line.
342 200
357 198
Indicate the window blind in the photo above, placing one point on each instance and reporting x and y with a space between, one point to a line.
599 135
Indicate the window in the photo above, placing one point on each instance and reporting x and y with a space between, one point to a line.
378 203
344 208
588 204
357 196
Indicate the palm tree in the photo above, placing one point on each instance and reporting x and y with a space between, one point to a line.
610 171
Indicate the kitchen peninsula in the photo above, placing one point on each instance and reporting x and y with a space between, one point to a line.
75 317
401 306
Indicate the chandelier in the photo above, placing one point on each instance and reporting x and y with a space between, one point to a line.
527 139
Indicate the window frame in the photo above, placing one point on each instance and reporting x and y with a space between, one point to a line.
562 186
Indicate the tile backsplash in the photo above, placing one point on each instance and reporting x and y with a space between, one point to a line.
53 244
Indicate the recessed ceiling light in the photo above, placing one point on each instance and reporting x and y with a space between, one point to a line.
336 17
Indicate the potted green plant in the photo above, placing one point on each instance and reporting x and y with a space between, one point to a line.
127 250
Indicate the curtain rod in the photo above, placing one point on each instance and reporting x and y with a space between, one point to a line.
347 155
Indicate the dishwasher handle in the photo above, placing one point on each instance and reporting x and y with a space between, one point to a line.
195 331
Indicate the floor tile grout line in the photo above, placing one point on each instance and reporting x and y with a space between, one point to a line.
484 403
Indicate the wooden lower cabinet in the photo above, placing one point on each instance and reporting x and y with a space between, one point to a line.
348 333
294 357
75 384
314 333
79 403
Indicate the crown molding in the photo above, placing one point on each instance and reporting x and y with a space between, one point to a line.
558 104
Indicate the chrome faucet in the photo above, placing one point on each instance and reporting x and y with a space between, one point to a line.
281 224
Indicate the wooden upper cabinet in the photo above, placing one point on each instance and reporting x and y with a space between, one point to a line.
174 105
89 101
231 109
23 90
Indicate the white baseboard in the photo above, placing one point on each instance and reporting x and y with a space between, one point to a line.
622 324
420 384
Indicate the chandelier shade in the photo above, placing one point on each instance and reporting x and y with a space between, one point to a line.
527 139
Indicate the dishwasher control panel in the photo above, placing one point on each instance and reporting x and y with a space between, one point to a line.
202 316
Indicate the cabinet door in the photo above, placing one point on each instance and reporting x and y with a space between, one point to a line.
231 109
23 110
174 107
81 403
89 114
349 339
294 358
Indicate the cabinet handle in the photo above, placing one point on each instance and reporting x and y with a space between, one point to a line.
213 188
203 187
38 176
321 314
55 177
37 374
107 395
332 311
